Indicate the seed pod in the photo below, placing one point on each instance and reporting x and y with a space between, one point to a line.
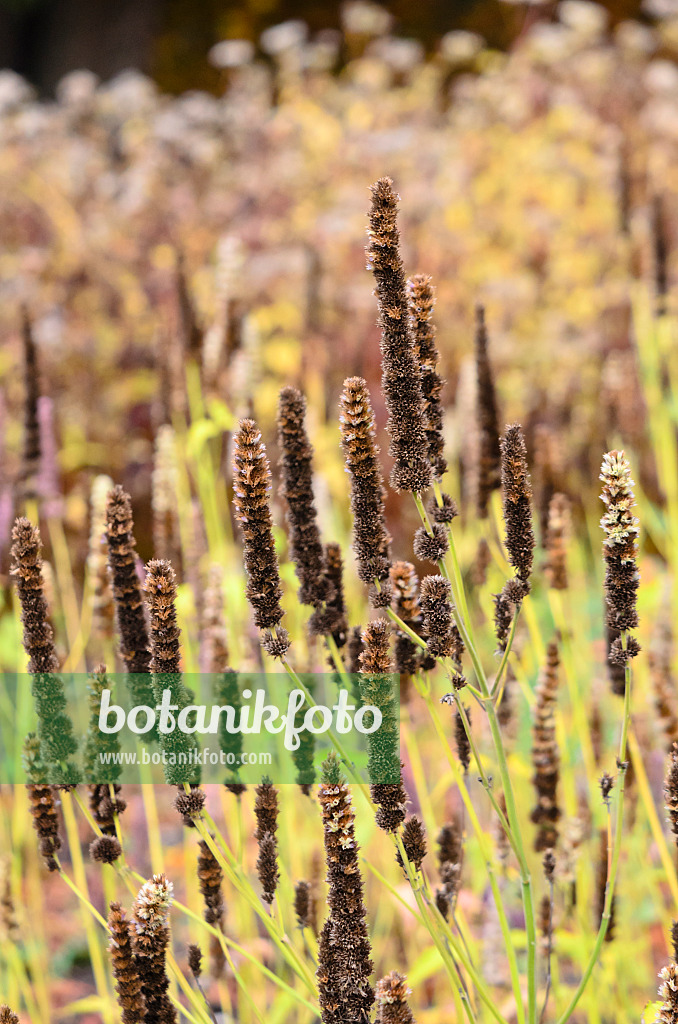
414 843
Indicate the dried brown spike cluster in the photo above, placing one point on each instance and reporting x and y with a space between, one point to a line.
344 954
105 849
195 960
489 457
335 620
557 535
302 904
30 460
545 756
620 550
355 649
401 378
7 1016
38 635
422 301
129 605
105 806
414 842
671 791
668 993
306 550
251 486
43 806
391 995
442 635
210 877
151 940
370 536
161 593
406 606
125 971
266 812
517 495
450 857
376 689
461 739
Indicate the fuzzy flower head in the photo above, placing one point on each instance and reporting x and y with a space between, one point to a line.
152 905
619 523
668 993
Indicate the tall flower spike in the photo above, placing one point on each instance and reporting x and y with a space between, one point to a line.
620 550
401 378
164 485
251 487
160 587
55 730
392 993
668 993
442 635
489 456
545 756
103 609
266 813
422 301
30 462
344 961
210 878
370 536
129 604
406 606
376 689
450 857
337 622
671 792
127 980
151 940
517 495
306 550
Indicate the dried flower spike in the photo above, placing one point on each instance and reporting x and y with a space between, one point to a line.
7 1016
129 605
306 550
370 536
442 635
620 549
391 995
251 487
302 904
557 535
401 378
125 972
344 954
671 791
545 757
195 960
32 449
266 813
406 606
517 495
489 456
210 877
151 940
450 857
103 609
414 843
422 300
334 618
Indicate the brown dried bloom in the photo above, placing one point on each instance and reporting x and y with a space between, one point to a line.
210 877
517 494
306 550
251 486
370 536
422 301
557 535
335 620
620 549
43 804
450 858
401 377
161 592
151 939
103 609
7 1016
489 458
391 995
38 635
302 904
32 449
671 791
462 742
195 960
668 993
545 757
414 842
266 813
105 849
442 635
125 970
129 605
406 606
344 962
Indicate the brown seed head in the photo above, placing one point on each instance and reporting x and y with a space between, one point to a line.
422 300
489 458
517 495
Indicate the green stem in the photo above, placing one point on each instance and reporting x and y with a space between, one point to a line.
616 852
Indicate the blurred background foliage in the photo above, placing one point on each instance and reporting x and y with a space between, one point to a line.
170 39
